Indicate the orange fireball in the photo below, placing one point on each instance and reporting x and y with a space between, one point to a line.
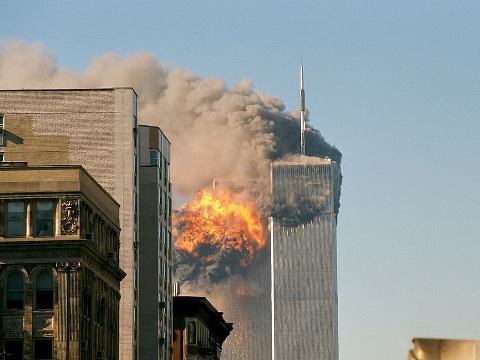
217 220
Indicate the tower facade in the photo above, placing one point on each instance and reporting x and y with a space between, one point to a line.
305 194
97 129
155 248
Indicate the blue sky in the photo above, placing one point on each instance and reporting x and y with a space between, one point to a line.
394 85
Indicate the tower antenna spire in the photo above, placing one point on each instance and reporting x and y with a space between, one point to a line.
302 112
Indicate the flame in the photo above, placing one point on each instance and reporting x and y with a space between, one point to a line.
217 220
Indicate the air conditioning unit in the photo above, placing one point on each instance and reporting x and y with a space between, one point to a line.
112 256
103 301
161 305
86 289
111 327
161 341
84 345
100 354
89 236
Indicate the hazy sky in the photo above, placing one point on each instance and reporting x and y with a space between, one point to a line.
394 85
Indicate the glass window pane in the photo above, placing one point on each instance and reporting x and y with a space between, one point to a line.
14 298
44 291
45 216
15 281
43 349
16 219
44 281
191 333
13 349
153 157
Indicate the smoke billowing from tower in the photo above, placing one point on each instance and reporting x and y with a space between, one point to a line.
216 132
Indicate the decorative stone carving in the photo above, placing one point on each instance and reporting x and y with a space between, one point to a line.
42 333
75 266
13 335
44 322
70 216
62 266
13 323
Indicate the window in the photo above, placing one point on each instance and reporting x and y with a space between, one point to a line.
44 291
13 349
2 156
16 219
1 131
191 333
153 158
44 218
43 349
14 298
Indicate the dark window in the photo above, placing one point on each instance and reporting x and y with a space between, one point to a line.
43 349
44 291
191 333
14 298
44 218
14 349
153 157
16 219
1 134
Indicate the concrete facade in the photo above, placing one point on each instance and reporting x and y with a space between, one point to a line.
59 273
94 128
155 247
305 192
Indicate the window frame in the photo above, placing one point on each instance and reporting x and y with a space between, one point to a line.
22 221
41 293
35 351
7 348
51 219
191 332
14 291
2 131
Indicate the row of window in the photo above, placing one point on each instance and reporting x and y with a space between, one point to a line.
42 349
15 291
43 218
1 135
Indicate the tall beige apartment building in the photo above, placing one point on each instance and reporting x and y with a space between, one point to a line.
97 129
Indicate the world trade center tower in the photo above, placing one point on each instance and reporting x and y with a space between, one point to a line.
305 194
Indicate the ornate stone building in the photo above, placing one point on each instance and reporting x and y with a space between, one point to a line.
199 329
59 269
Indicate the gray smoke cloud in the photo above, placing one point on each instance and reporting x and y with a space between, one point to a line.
215 131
